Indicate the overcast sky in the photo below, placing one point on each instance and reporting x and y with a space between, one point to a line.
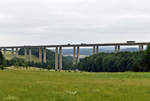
25 22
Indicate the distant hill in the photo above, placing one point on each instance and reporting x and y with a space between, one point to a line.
129 50
88 51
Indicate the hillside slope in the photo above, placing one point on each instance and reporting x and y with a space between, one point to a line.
50 55
9 56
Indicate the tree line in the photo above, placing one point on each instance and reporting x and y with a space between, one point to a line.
119 62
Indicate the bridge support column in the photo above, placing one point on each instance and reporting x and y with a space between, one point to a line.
60 58
30 55
56 58
40 55
12 52
25 54
78 54
16 52
97 49
74 55
93 50
5 52
118 48
141 48
44 57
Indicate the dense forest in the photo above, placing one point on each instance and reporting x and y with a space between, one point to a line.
120 62
101 62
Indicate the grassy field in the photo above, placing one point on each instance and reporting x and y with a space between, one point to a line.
36 85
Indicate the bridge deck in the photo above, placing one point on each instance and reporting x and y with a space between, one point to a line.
81 45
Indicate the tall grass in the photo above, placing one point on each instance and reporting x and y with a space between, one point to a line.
36 85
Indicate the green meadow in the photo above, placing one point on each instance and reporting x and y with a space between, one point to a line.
42 85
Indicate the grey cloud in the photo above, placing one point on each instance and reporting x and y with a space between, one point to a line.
63 21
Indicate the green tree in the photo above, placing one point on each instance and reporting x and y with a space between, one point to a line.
2 61
110 62
1 58
146 59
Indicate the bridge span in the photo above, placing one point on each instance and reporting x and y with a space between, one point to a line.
58 50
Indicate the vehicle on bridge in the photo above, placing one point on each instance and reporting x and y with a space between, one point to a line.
131 42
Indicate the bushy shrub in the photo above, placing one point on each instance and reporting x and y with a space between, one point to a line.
17 62
2 61
2 67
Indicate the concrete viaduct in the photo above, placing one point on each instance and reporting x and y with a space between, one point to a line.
58 50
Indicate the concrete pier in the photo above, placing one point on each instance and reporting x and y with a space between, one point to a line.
4 52
141 48
93 50
25 54
56 58
78 54
30 55
97 49
40 55
116 49
12 52
60 58
17 52
44 56
74 55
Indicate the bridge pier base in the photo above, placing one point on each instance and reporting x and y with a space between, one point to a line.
40 55
78 54
5 52
93 50
74 55
141 48
12 52
16 52
97 49
25 54
60 58
117 48
44 57
30 55
56 58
